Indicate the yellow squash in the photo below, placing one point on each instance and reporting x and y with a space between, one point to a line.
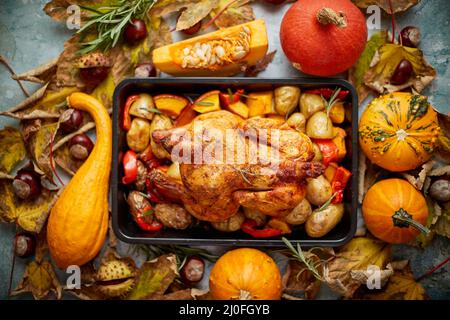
219 53
78 221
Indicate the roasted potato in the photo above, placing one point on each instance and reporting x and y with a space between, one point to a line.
322 221
286 99
256 215
297 121
159 122
317 153
138 136
173 216
319 126
174 171
299 214
231 224
310 104
138 204
141 176
142 107
337 112
318 190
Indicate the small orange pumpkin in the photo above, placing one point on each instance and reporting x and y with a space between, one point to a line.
394 211
398 131
245 274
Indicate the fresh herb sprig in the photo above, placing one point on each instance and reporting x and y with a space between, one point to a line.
110 22
310 264
333 99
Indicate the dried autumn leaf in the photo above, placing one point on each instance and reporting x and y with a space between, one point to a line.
300 282
68 163
386 60
368 174
237 13
401 286
67 72
261 65
57 9
356 73
41 74
39 279
29 101
358 254
419 180
29 215
443 148
194 13
397 5
39 147
13 148
154 278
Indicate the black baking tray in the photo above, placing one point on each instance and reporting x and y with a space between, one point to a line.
127 231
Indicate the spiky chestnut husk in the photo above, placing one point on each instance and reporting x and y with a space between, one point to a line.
114 270
93 60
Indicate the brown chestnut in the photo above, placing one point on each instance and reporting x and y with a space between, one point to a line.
135 31
80 146
94 75
24 244
192 270
402 72
71 120
194 29
409 36
440 190
145 70
26 184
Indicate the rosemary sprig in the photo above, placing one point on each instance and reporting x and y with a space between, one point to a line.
151 110
298 254
333 99
204 103
328 202
109 23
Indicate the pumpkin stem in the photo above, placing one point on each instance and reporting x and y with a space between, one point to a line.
327 15
245 295
403 219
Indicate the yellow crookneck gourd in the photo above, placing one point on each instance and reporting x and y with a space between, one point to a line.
78 221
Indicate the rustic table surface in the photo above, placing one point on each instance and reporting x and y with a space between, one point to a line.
28 38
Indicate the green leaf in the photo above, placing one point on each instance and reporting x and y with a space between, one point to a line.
12 149
357 72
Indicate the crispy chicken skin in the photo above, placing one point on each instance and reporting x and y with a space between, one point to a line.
214 191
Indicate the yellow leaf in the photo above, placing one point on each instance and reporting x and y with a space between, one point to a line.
358 254
401 286
238 13
39 279
29 215
12 149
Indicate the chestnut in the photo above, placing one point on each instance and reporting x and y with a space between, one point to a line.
440 190
192 270
409 36
145 70
135 31
94 75
80 146
402 72
24 244
71 120
26 184
194 29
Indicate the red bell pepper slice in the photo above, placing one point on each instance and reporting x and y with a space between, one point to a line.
250 227
126 122
229 98
130 168
338 184
155 225
329 150
327 93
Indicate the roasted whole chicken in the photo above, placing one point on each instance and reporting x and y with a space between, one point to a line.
227 162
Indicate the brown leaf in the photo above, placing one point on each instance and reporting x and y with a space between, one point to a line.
386 60
13 149
401 286
36 96
57 9
68 163
368 174
41 74
39 279
261 65
194 13
29 215
358 254
419 180
301 283
238 13
443 149
397 5
154 278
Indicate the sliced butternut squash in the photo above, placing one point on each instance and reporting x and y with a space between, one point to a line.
170 104
208 102
219 53
260 103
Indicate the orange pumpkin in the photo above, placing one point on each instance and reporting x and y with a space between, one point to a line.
394 211
323 37
398 131
245 274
